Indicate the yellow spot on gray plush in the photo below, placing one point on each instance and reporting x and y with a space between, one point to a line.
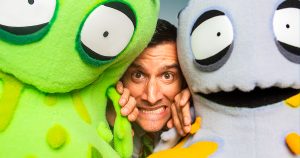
294 101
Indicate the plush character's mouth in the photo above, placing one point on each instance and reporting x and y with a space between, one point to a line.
255 98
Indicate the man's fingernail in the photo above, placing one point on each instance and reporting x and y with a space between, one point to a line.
124 111
122 101
181 133
187 121
187 129
181 102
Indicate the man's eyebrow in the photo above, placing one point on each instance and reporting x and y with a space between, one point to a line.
135 65
171 66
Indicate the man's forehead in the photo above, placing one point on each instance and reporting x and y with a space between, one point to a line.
162 56
166 65
160 52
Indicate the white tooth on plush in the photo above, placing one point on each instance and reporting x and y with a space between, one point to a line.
156 111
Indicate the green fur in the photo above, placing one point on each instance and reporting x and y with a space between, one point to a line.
60 111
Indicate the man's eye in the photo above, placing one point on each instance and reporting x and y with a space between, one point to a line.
137 75
168 76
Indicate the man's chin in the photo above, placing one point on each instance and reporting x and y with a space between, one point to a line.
152 130
151 126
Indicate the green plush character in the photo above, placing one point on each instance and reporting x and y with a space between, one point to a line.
59 61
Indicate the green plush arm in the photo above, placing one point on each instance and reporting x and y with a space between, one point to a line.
122 127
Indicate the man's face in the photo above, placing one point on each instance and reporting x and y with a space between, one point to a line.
153 80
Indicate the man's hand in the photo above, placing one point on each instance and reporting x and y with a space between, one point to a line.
127 103
181 116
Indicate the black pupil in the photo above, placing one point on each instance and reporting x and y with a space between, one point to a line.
287 26
167 76
218 34
31 1
138 75
105 34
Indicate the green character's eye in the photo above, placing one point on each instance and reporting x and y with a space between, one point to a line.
25 21
106 32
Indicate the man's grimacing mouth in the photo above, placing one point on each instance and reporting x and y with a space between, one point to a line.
256 98
152 110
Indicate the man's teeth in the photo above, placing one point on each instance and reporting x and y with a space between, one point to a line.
156 111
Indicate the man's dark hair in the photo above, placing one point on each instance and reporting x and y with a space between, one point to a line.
164 32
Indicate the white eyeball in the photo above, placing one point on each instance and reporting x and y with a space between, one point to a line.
23 17
211 38
107 30
286 25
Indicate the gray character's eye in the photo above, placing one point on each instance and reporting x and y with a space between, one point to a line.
106 32
25 17
286 25
212 40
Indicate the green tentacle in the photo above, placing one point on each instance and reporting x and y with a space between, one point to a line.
122 128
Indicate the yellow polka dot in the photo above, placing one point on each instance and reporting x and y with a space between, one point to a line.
293 142
9 99
294 101
56 136
80 107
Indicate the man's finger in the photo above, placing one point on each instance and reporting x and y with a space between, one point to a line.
128 107
133 116
179 114
124 97
187 129
186 114
187 118
170 124
176 121
119 87
185 97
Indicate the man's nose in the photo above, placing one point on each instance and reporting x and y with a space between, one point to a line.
153 93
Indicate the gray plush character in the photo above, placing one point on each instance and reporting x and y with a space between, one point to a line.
241 60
